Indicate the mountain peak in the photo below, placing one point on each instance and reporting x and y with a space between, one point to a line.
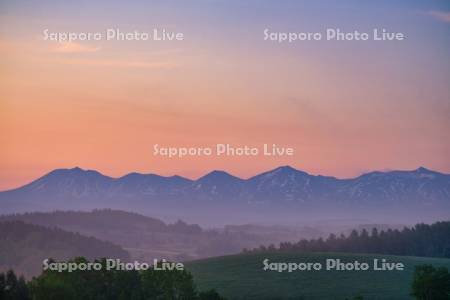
74 170
77 171
286 170
281 173
422 170
218 174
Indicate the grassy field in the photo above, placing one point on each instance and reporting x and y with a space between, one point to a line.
243 277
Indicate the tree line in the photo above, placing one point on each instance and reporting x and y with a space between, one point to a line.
104 284
429 283
421 240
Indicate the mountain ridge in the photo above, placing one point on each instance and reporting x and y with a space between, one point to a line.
78 170
283 190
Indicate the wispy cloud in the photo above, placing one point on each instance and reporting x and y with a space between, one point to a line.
71 47
443 16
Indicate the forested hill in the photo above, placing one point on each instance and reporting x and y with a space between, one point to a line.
23 247
101 219
421 240
146 238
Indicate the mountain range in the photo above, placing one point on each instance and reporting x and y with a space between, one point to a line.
281 191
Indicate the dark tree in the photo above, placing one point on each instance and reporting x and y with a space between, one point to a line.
2 285
176 285
431 283
13 288
117 285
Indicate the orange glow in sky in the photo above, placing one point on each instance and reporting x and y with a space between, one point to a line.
103 106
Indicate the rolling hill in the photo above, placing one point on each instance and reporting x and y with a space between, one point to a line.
146 238
242 277
23 247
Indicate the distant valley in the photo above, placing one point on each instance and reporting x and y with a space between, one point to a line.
114 233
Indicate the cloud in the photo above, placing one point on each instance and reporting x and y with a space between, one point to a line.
443 16
71 47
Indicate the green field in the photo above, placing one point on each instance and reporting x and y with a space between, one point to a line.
242 277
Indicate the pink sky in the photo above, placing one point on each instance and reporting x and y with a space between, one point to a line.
344 109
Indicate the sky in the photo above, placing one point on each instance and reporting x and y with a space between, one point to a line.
346 107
